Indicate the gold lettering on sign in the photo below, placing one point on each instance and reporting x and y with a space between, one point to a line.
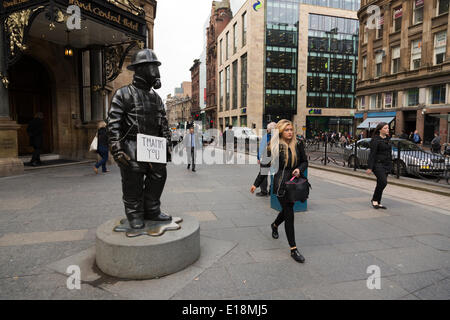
117 18
10 3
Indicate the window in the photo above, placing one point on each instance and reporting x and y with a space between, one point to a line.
243 121
373 102
235 71
244 81
397 19
364 72
440 43
379 101
221 91
413 97
395 67
442 6
379 31
438 94
388 100
394 99
234 38
416 53
365 35
418 11
362 103
221 52
227 88
244 29
234 121
226 45
378 64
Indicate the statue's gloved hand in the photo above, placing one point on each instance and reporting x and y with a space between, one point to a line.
121 158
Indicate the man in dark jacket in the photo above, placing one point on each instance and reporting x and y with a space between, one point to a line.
35 132
137 108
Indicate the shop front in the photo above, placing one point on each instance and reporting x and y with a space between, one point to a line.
65 66
318 124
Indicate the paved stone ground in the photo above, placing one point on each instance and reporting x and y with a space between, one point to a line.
48 220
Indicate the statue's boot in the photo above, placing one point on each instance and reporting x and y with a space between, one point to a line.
158 217
135 217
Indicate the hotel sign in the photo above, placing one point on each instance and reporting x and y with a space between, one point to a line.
106 14
100 10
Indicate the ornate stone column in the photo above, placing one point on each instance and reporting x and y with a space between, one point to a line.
9 161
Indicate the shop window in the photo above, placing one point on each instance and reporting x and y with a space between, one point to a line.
418 11
397 19
442 6
395 65
440 44
438 94
413 97
416 54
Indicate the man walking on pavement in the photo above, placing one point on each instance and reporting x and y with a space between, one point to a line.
262 151
191 143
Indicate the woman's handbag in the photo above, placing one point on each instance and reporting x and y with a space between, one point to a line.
94 144
297 189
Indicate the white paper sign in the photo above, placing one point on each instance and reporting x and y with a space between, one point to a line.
151 149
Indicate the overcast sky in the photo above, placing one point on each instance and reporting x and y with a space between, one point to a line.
179 39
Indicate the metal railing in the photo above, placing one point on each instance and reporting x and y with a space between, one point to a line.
406 161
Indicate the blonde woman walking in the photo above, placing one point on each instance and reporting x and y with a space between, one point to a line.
292 161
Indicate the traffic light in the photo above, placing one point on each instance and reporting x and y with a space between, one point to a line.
197 116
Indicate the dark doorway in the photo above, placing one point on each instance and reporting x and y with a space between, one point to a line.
430 126
30 92
410 118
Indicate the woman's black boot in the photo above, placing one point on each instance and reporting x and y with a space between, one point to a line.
297 256
274 231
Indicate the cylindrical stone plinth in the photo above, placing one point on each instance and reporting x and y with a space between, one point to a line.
147 257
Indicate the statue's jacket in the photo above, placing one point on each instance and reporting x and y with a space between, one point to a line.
134 110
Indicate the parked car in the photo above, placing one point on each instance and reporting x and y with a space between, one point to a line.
413 159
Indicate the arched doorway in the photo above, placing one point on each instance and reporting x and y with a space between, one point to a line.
30 92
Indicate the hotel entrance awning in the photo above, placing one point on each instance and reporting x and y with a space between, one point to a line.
104 23
371 123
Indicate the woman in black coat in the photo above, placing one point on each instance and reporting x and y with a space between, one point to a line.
102 148
380 161
291 159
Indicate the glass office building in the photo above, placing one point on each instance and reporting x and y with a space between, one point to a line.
332 63
331 59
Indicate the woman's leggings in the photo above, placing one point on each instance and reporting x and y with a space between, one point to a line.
286 215
381 174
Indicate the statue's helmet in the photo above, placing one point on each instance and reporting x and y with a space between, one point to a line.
143 56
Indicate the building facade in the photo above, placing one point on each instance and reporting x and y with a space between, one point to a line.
289 59
220 17
404 67
195 80
179 111
68 74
